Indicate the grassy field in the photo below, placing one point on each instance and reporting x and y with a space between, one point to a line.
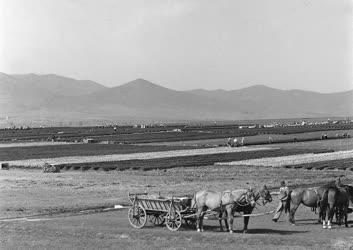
28 192
183 161
167 161
37 152
129 134
258 139
61 197
291 160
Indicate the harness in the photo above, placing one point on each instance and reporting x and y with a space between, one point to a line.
243 201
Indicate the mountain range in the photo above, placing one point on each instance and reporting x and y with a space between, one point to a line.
33 97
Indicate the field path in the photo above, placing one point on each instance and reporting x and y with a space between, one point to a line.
133 156
292 159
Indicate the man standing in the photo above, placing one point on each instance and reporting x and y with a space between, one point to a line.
283 192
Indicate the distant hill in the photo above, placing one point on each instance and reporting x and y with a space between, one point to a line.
59 85
52 98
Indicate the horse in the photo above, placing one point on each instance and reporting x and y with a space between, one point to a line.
247 208
310 197
335 198
220 201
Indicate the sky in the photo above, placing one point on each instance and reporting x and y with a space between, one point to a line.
183 44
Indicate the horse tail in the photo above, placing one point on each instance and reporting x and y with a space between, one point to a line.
287 205
324 200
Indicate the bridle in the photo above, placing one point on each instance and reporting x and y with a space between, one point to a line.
263 197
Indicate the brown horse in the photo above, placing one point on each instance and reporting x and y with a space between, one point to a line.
220 201
335 199
310 197
247 208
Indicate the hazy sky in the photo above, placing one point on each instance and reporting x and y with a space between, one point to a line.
179 44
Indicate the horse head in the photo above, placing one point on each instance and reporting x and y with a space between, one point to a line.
265 195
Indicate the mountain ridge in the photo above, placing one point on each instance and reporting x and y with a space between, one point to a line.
49 96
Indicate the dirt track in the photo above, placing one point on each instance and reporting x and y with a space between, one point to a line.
112 230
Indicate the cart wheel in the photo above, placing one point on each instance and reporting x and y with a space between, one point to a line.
137 216
157 219
173 220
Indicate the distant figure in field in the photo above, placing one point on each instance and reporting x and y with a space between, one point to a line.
284 192
232 142
242 141
270 140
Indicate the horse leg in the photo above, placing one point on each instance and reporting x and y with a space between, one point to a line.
230 218
326 217
198 218
201 221
323 215
330 213
318 205
225 216
246 220
220 218
338 211
292 211
346 214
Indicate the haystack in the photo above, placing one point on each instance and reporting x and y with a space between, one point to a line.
49 168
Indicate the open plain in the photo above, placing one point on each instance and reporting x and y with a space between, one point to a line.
71 209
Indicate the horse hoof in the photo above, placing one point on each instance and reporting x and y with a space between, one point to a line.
198 230
324 227
329 227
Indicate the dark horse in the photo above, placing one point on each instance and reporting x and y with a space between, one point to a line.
247 208
335 199
310 197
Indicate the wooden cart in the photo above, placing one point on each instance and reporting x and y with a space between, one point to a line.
169 211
